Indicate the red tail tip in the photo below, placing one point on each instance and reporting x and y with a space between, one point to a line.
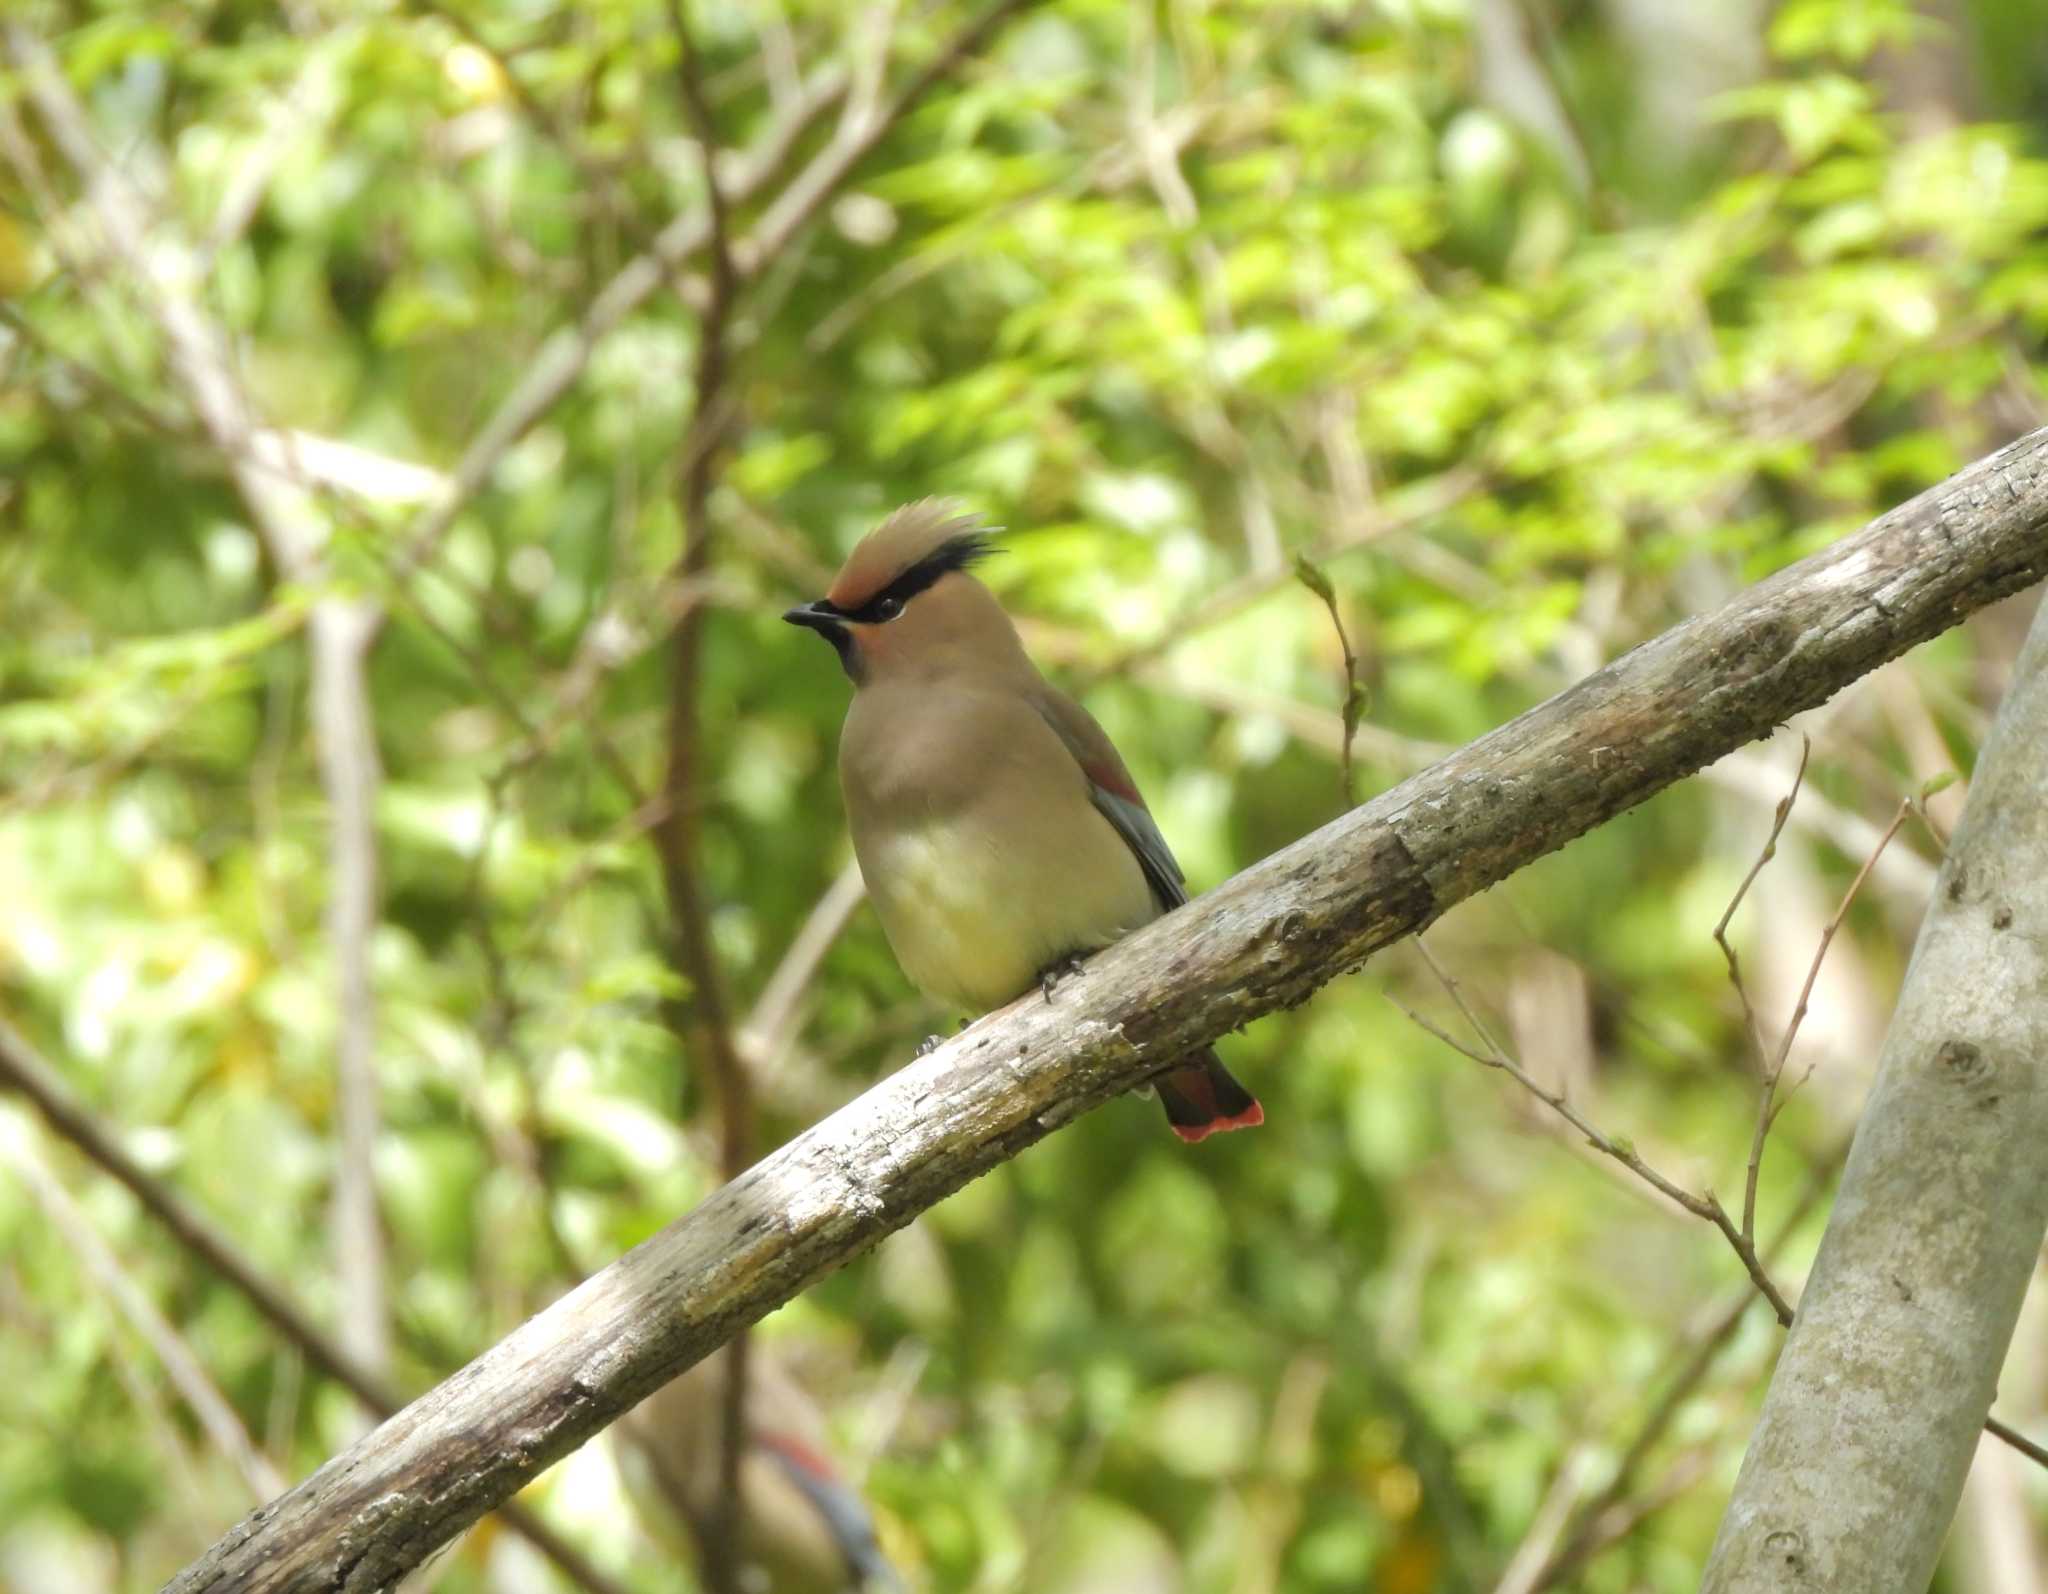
1250 1118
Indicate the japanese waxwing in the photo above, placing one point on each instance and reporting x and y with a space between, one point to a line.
803 1529
999 833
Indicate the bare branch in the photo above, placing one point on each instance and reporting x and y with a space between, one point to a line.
306 457
706 1031
771 1024
305 98
855 139
345 740
1266 939
1764 856
2012 1436
1515 79
1494 1056
285 514
180 1362
1906 874
1622 1518
1706 1206
1774 1068
599 179
1311 576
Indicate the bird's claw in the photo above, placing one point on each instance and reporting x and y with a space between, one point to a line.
928 1045
1051 975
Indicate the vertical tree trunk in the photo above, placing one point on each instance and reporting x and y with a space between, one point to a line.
339 634
1872 1416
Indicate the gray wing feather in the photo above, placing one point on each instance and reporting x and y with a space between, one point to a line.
1142 836
1074 726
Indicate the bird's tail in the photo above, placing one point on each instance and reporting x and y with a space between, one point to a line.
846 1514
1202 1098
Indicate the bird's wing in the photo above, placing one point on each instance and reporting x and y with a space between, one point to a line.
1114 793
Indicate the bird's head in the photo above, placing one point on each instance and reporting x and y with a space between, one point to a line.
904 604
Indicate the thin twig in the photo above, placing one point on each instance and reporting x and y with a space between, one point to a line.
599 179
536 738
855 139
164 275
1311 576
180 1362
1550 1519
1586 1535
560 362
1907 875
701 1017
1764 856
1621 1519
2019 1441
104 389
285 120
291 454
1767 1105
24 1071
770 1024
1400 510
628 828
1706 1206
1700 1206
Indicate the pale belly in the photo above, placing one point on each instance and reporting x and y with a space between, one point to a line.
973 921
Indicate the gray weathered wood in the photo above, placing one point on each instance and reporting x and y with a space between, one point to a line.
1875 1408
1264 940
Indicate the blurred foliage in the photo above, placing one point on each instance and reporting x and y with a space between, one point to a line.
1180 293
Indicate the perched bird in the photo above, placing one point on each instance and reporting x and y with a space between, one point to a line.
999 833
802 1528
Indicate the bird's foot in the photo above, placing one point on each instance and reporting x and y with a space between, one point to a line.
928 1045
1051 975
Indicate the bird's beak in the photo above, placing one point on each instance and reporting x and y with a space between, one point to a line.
821 617
824 618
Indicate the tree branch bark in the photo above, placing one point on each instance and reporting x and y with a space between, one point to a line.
1264 940
1856 1465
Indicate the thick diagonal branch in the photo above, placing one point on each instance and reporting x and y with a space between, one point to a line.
1264 940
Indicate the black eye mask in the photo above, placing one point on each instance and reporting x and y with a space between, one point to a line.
955 553
830 621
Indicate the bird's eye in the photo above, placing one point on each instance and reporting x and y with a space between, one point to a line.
887 609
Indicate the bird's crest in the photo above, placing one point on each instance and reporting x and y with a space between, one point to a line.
910 550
